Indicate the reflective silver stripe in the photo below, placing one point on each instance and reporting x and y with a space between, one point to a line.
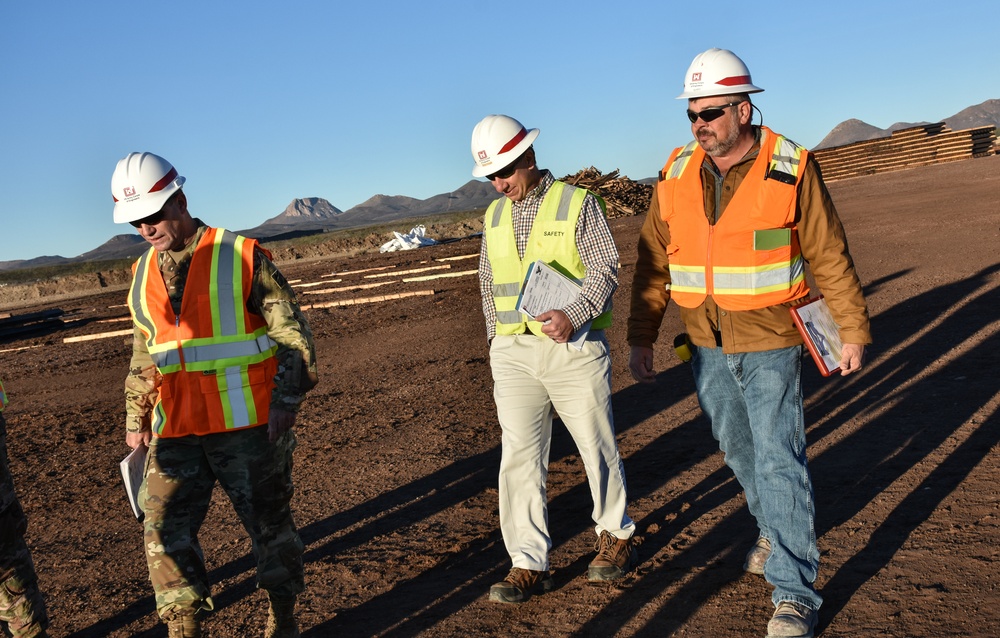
225 303
233 350
506 290
233 395
498 210
138 286
786 156
681 161
166 358
265 343
686 279
764 280
509 316
562 211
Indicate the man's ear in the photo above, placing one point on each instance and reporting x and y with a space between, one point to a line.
182 202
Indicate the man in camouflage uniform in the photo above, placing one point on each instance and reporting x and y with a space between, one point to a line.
251 460
22 611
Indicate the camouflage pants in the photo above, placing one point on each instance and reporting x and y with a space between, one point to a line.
22 611
175 496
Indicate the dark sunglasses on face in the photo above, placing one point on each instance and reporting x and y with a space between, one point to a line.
152 220
711 113
506 171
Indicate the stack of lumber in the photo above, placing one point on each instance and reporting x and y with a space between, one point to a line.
33 322
623 197
905 148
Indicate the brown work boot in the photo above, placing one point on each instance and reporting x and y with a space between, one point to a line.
520 584
281 619
184 627
757 556
615 557
792 620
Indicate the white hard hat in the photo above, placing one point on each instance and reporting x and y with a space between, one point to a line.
141 184
497 141
717 72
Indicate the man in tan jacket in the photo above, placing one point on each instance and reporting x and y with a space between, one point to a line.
736 216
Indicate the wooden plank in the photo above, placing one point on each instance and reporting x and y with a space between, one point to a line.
351 287
463 273
367 300
408 272
100 335
357 272
458 257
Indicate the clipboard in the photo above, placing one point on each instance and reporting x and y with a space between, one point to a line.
820 333
544 289
133 469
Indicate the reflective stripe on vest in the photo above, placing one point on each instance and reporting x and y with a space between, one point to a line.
3 396
744 276
552 239
215 356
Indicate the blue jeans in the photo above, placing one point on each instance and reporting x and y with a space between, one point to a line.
754 401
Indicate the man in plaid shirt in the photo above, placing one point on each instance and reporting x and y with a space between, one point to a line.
543 365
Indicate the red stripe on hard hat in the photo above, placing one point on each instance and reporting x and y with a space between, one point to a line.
734 80
169 177
513 141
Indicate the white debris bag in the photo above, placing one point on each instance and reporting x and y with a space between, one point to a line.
413 239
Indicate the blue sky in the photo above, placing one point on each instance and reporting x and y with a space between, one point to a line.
258 103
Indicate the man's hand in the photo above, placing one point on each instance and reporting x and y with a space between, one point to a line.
640 364
278 422
135 439
556 325
852 357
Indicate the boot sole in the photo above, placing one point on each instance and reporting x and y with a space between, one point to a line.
604 573
500 595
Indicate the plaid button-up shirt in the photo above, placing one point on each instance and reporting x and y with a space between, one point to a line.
594 242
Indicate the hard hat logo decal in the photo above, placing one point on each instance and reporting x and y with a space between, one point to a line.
696 77
484 158
129 191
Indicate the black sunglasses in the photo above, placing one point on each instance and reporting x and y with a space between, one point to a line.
506 171
151 220
711 113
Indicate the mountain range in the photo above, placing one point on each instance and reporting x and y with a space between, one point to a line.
310 215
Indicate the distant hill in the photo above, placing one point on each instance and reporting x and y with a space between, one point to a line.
851 131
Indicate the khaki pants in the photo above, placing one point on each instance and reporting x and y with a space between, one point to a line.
532 376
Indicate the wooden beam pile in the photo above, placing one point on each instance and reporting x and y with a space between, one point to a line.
905 148
623 197
18 325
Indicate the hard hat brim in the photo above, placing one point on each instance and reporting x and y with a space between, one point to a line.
150 204
719 90
508 157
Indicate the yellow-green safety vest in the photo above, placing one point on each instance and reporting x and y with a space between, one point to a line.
552 239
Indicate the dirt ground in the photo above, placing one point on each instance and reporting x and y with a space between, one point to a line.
399 448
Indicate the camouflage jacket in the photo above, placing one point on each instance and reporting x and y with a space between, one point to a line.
270 297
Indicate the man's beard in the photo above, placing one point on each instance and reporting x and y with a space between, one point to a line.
716 147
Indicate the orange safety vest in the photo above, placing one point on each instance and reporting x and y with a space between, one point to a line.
750 258
216 360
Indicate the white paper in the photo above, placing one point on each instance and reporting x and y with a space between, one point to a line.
133 468
544 289
822 332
